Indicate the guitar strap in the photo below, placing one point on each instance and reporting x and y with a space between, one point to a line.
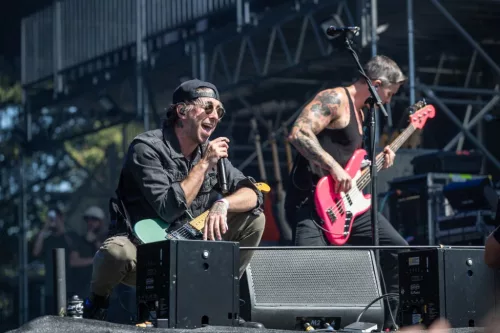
120 224
119 216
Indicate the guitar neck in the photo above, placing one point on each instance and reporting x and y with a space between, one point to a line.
199 222
396 144
365 178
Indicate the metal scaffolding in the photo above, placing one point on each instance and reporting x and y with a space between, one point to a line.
117 61
430 90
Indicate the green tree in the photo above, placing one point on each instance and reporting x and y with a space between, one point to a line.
90 151
10 94
10 88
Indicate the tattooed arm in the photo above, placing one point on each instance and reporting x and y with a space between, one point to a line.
321 111
216 221
243 200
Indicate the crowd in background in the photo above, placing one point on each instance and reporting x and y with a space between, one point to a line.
79 250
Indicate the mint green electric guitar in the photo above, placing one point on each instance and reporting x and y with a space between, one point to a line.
155 230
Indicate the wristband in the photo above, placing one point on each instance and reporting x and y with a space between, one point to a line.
225 202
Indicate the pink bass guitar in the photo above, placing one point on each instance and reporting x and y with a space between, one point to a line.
339 210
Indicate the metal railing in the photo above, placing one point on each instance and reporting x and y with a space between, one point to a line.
72 32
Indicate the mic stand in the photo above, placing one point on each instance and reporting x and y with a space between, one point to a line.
374 100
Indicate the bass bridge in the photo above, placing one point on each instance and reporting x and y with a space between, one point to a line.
347 223
331 215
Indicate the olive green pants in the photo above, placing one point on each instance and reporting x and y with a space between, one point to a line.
115 262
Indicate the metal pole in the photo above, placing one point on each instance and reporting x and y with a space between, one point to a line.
239 15
411 51
59 273
374 25
138 58
473 121
23 219
193 51
23 247
464 90
145 109
373 30
466 35
429 93
202 57
57 46
141 58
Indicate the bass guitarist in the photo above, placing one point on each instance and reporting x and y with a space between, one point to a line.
171 174
326 134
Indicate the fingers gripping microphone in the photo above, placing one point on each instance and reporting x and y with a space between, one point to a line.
221 173
333 31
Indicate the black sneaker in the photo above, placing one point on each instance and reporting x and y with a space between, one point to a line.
96 307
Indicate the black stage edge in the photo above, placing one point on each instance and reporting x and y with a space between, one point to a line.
360 247
53 324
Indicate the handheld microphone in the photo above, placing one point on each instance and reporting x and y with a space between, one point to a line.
333 31
221 173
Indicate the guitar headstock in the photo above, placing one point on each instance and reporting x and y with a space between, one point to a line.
263 187
420 112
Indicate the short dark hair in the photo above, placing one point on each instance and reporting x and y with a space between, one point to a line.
385 69
170 116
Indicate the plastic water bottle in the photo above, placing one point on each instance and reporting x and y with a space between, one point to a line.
75 307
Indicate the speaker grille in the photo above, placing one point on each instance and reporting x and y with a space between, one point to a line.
313 278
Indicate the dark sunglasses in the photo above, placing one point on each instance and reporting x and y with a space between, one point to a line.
209 108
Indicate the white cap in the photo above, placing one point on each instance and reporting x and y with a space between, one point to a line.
94 212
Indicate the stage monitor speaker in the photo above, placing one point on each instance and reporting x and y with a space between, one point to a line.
283 289
188 283
451 283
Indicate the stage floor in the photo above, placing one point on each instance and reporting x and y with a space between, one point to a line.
53 324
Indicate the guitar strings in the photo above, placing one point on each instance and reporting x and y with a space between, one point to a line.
184 230
366 177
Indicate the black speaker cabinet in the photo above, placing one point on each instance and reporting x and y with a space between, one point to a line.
283 289
188 283
453 283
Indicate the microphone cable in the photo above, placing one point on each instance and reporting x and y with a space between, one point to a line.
372 302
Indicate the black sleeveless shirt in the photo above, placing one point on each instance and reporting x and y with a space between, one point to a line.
339 143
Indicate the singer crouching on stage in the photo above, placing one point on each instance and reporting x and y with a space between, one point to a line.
171 173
